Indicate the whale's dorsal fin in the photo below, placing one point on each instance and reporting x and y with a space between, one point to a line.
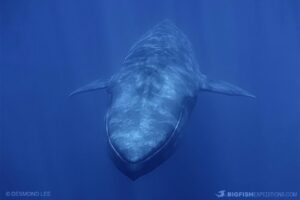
223 87
95 85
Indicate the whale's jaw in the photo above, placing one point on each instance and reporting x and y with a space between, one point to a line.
135 167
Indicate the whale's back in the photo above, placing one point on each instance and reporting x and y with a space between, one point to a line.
163 45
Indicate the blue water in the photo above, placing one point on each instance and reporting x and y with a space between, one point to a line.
52 143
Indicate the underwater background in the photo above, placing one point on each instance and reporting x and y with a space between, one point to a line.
49 142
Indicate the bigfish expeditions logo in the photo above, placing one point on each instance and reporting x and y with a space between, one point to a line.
270 195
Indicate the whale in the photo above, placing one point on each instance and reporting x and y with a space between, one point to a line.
152 97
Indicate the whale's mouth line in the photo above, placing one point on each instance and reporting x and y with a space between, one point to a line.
154 153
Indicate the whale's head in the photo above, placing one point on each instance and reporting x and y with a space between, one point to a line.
138 126
138 132
143 117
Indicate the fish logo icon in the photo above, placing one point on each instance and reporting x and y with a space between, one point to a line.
220 194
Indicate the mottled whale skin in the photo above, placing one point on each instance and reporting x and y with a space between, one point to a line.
152 97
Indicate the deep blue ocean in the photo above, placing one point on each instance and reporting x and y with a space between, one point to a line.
55 144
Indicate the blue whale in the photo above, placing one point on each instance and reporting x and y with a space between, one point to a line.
152 97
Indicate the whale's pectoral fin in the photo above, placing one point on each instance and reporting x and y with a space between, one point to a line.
223 88
95 85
